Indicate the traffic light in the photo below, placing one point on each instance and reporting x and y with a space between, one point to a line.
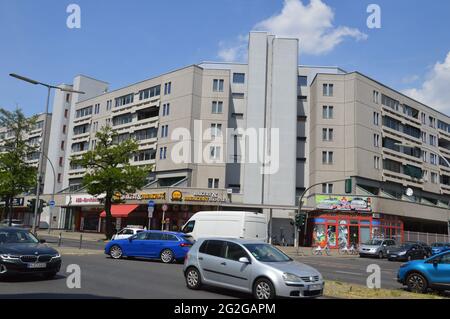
300 220
42 204
31 204
348 186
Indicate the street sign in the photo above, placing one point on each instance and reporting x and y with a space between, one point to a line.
151 203
52 203
150 211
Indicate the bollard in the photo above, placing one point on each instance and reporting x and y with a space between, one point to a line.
59 239
81 239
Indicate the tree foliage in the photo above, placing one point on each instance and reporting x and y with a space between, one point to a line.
16 175
109 170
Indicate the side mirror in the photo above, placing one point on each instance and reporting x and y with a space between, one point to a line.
130 239
42 241
244 260
435 262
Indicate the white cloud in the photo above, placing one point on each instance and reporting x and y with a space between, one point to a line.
435 90
311 23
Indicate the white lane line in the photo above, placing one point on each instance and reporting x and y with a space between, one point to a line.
348 272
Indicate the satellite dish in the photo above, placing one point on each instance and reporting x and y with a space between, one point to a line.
409 192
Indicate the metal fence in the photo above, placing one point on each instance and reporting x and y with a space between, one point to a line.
426 237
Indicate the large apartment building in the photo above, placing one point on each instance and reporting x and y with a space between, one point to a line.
315 125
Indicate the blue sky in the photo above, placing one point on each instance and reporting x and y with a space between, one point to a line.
123 42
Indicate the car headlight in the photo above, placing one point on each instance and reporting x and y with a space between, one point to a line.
56 256
402 253
291 277
9 257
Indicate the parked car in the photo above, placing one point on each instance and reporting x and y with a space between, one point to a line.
376 248
22 253
425 246
421 275
438 248
249 266
14 223
230 224
407 251
358 203
163 245
127 232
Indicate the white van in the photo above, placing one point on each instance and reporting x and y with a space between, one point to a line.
228 224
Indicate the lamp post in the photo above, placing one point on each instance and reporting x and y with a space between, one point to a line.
44 133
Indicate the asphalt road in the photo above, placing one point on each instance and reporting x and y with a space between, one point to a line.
102 277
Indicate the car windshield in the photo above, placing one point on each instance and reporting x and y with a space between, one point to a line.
267 253
374 242
406 246
17 237
437 245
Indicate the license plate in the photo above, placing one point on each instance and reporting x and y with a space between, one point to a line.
37 265
315 287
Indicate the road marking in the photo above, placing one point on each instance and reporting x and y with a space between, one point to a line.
348 272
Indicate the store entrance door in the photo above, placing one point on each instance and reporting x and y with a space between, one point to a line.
354 235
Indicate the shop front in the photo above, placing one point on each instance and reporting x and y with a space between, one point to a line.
344 220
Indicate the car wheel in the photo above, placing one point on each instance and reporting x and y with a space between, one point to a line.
380 255
166 256
263 289
193 280
417 283
116 252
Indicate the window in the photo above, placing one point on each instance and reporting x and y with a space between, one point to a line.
410 111
61 161
124 100
302 98
150 92
64 129
80 147
164 130
238 95
234 251
376 118
327 134
218 85
93 144
108 122
145 155
433 159
424 118
328 89
84 112
239 78
216 130
375 97
424 137
217 107
166 109
67 97
59 178
327 188
425 156
425 176
433 140
389 102
120 138
108 105
302 80
213 183
376 140
432 121
392 166
327 157
145 134
95 127
147 113
122 119
167 88
434 177
81 129
213 247
97 108
62 145
376 162
214 152
66 113
163 152
327 112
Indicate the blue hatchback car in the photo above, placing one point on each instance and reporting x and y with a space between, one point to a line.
421 275
163 245
438 248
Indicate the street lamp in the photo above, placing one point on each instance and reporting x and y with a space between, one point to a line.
44 132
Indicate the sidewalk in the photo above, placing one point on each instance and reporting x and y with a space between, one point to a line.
95 237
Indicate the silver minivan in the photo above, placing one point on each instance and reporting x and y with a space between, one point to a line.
249 266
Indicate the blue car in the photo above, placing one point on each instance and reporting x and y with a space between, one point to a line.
421 275
163 245
438 248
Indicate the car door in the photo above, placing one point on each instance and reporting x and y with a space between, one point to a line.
210 258
153 244
233 272
438 270
136 246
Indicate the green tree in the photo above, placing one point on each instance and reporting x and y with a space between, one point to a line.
16 175
109 170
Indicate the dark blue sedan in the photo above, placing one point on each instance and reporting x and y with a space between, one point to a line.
163 245
438 248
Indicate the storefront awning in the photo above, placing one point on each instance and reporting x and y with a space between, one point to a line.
120 211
